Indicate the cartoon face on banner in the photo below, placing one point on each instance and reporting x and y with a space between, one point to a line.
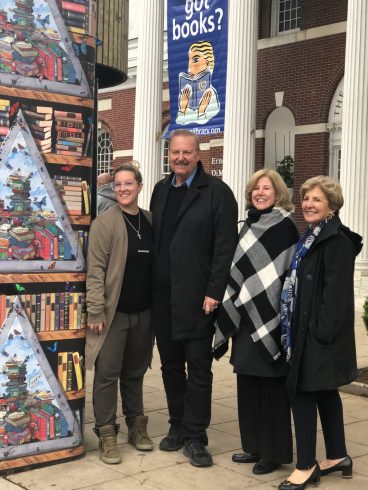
197 37
36 51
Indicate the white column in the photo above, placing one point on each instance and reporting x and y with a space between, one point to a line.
354 144
240 115
148 95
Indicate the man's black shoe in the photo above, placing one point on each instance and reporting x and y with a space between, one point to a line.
264 467
173 441
245 458
198 454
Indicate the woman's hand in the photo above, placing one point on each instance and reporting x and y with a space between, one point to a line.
97 328
209 305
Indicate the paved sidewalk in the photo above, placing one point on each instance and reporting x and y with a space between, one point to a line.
164 471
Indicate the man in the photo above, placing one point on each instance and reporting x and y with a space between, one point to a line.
105 193
195 227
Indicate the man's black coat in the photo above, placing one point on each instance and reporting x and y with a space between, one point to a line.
201 250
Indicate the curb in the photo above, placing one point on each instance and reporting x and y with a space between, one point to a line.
355 388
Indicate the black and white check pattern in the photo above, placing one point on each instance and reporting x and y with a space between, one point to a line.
252 296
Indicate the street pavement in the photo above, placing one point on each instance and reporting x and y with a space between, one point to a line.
158 470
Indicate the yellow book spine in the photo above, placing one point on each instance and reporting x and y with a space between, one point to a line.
78 370
85 190
65 373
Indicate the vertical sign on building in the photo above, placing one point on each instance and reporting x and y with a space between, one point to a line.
197 59
47 86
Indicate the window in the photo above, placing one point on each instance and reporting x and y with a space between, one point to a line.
334 127
105 153
165 170
285 16
279 136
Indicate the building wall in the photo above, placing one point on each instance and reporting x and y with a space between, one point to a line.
307 71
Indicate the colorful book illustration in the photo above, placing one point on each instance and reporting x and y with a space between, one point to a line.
69 133
197 86
70 372
70 192
42 58
40 122
37 233
49 310
36 417
7 111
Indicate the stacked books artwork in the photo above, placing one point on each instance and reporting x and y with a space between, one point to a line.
25 59
36 228
49 312
7 114
36 50
6 54
74 194
70 371
69 133
75 15
33 408
39 120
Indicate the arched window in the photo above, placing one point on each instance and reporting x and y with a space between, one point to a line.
334 127
165 169
279 136
105 153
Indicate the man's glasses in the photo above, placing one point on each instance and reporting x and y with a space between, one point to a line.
121 185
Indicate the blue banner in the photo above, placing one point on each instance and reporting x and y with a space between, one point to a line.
197 59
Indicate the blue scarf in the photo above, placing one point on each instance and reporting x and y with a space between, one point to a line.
290 288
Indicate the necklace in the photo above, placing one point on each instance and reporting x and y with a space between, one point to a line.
139 224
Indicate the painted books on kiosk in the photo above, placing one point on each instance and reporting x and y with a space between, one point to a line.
49 312
75 15
39 120
7 113
69 133
70 373
74 194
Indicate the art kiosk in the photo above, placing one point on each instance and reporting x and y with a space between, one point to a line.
47 121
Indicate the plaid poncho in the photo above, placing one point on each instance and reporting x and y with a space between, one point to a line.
252 296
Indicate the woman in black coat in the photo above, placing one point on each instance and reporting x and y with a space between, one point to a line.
317 317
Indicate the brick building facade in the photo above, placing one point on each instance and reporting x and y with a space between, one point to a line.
298 70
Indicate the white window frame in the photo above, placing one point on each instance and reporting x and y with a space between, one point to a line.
280 138
105 152
165 166
334 127
275 13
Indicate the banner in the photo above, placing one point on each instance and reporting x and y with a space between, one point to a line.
197 60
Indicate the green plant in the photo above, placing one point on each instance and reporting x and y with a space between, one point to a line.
286 169
365 313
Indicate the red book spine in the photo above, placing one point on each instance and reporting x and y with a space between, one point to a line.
61 129
70 115
75 7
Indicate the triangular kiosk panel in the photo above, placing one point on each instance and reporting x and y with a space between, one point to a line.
37 50
36 234
34 414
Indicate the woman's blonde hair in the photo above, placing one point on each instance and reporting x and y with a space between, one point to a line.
282 199
329 186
